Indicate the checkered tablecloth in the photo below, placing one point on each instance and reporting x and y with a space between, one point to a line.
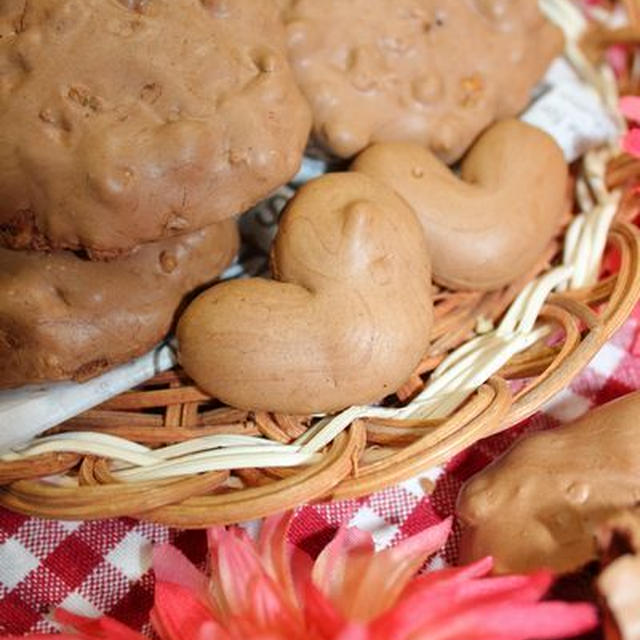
103 567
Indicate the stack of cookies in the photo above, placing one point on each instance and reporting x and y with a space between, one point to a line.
131 134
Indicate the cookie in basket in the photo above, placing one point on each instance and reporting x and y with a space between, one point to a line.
349 316
63 316
126 121
427 71
346 321
491 225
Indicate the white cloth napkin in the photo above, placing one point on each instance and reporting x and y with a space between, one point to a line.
27 412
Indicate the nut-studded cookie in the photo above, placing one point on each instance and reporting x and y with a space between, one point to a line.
127 121
63 316
436 72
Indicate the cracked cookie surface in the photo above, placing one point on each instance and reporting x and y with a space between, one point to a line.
436 72
126 121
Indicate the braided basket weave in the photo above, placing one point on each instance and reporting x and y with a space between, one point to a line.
372 452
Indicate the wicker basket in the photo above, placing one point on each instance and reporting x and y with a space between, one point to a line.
371 453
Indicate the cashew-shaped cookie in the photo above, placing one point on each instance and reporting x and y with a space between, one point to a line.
346 320
489 226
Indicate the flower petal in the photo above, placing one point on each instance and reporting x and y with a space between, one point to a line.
234 563
43 636
266 613
288 565
450 576
242 587
322 618
631 143
329 571
630 107
364 583
103 627
472 609
178 613
171 565
539 621
353 631
448 597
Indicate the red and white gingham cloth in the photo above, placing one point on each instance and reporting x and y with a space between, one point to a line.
103 567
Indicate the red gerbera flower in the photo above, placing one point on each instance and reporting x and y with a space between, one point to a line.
270 590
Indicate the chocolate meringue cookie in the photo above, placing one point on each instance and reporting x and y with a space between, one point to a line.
63 316
346 319
127 121
435 72
541 503
481 232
